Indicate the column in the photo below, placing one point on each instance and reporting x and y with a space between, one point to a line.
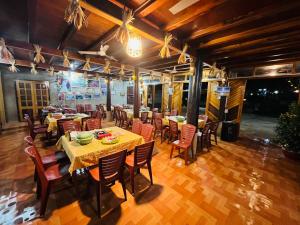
108 95
136 92
195 92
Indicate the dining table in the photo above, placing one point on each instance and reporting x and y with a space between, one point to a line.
130 113
51 120
180 123
83 156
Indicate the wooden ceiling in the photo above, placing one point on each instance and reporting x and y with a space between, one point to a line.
233 33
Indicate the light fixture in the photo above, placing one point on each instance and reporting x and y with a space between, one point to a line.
134 45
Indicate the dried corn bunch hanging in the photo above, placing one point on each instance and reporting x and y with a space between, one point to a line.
74 14
87 65
122 72
66 60
122 33
33 69
213 71
97 76
13 67
4 52
182 57
51 71
107 67
165 51
38 55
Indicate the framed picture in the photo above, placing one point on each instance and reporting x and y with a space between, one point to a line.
78 82
88 96
70 97
79 97
93 83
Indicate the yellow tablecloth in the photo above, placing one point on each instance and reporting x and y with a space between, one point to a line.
166 122
82 156
52 122
130 113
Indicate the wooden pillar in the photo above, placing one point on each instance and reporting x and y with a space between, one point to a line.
222 108
136 94
195 93
108 96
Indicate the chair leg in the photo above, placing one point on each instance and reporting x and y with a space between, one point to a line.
35 175
44 198
131 171
172 151
186 153
216 139
99 199
123 187
150 172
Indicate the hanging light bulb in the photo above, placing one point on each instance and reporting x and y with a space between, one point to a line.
134 45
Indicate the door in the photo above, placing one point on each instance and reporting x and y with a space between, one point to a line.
32 96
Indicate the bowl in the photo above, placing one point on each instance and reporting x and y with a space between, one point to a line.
180 119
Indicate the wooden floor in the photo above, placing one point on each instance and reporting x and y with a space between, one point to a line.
235 183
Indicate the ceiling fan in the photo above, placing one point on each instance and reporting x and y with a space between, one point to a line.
102 52
172 71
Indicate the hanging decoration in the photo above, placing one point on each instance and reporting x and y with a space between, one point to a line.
165 51
182 57
122 72
192 67
33 69
4 52
74 14
107 67
13 67
87 65
213 71
122 33
51 71
97 76
134 45
151 75
38 55
66 60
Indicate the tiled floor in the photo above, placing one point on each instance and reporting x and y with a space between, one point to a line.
234 183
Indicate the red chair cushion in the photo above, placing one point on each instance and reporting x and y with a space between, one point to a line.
57 171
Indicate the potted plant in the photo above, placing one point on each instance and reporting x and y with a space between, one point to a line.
288 132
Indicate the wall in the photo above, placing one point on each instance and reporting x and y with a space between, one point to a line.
118 90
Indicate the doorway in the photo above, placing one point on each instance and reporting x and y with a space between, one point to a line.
32 97
154 96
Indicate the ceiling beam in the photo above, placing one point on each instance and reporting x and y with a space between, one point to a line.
58 53
150 7
191 13
270 10
113 13
266 29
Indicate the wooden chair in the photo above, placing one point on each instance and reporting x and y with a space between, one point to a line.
154 111
205 136
159 129
110 169
142 156
173 131
185 141
118 117
60 128
146 132
70 111
204 118
83 122
137 126
92 124
50 159
174 112
36 126
213 127
35 131
144 117
126 122
103 112
71 126
46 177
79 108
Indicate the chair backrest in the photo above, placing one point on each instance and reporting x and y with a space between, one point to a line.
87 107
71 126
144 117
92 124
158 123
203 117
173 128
71 111
157 115
137 126
79 108
124 115
213 126
118 114
60 128
83 122
174 112
33 153
111 167
28 140
206 129
155 110
30 126
146 132
143 153
187 133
